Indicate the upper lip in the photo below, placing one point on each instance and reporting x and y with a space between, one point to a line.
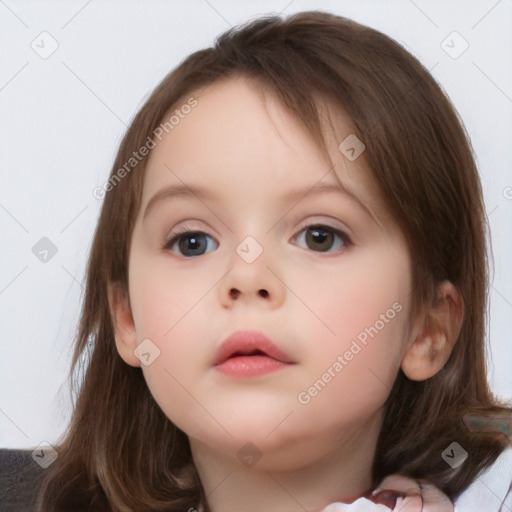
249 343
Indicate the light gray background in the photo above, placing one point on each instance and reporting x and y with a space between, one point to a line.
63 117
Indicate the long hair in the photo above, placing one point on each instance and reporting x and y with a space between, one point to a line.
121 452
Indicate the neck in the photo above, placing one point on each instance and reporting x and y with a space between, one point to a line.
298 476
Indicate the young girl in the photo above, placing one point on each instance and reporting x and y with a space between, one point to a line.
286 292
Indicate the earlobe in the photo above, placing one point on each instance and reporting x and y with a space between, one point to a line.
431 348
124 326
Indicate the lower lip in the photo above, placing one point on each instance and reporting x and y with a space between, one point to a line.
250 366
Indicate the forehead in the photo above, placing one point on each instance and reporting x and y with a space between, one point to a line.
239 134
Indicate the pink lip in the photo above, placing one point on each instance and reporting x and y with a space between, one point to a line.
249 354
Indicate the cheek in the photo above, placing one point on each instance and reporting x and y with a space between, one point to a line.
169 310
349 379
360 330
161 299
355 296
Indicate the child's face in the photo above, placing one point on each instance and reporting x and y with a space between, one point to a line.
321 292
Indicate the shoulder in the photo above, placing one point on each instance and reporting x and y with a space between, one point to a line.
491 491
20 477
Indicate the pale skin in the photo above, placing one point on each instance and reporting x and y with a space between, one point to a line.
248 152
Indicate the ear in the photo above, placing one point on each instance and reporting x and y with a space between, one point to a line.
124 326
440 328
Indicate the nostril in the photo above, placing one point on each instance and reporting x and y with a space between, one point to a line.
234 293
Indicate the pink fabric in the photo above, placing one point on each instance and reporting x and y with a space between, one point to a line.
398 494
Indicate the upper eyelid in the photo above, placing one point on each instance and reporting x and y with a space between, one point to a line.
184 230
329 224
305 222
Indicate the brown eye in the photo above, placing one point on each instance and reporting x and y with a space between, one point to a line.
320 238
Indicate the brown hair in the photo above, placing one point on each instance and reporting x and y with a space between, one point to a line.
121 452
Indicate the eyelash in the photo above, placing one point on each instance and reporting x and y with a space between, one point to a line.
347 241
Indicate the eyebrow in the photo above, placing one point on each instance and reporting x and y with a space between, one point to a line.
189 191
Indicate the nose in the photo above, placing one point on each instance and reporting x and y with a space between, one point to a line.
256 283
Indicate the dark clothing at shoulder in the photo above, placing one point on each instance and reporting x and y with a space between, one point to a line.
20 480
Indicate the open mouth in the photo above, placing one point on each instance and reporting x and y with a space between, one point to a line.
256 352
250 354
